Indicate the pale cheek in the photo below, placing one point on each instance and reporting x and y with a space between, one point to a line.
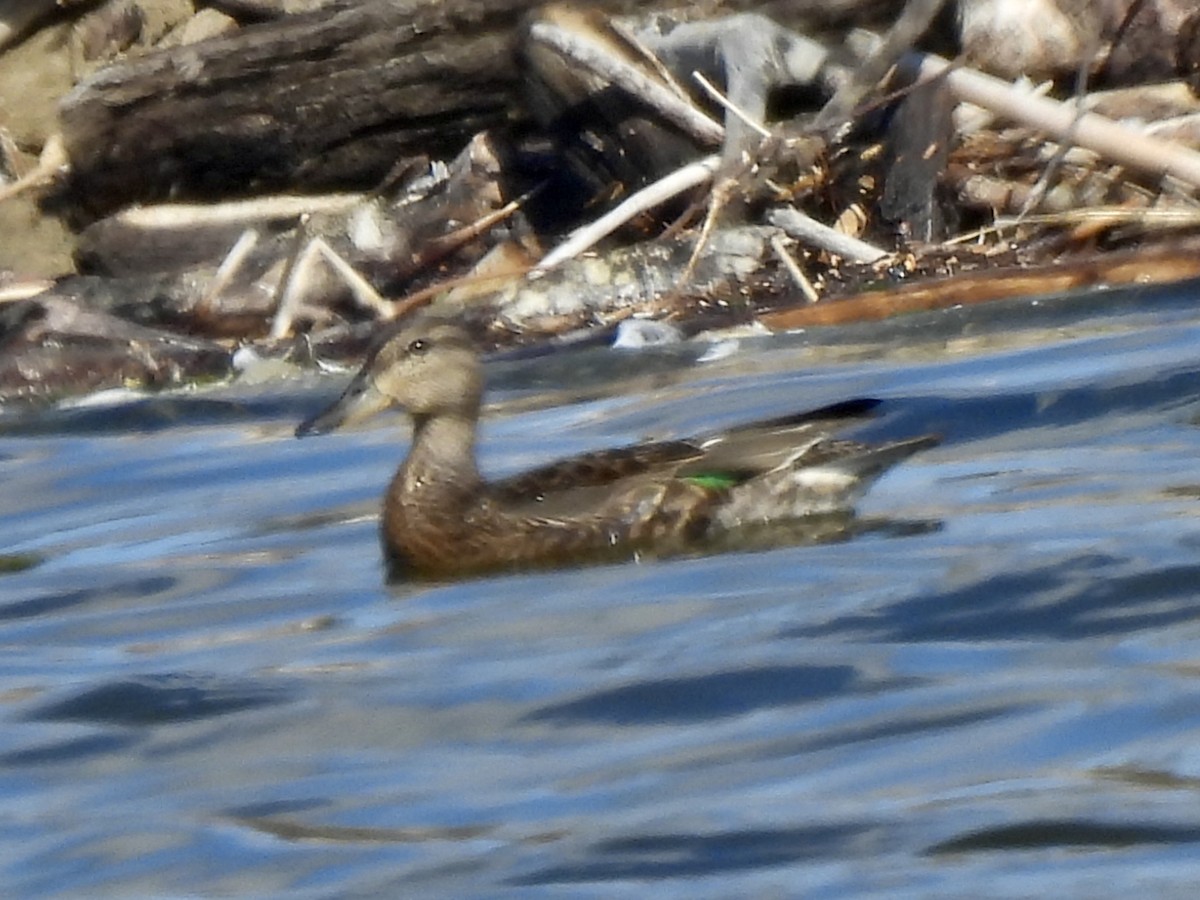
391 386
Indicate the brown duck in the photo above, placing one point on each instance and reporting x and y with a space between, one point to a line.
441 517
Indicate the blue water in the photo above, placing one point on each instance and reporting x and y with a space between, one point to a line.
992 689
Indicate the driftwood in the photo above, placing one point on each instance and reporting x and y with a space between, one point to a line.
1158 265
642 279
52 346
331 99
342 97
1112 140
325 100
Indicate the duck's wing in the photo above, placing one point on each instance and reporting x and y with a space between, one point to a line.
749 450
577 485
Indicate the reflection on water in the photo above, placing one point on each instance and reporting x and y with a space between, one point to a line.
986 686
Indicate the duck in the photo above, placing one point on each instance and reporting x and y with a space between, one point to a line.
441 518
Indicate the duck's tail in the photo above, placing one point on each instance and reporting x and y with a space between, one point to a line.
827 476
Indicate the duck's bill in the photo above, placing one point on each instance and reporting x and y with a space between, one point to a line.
358 402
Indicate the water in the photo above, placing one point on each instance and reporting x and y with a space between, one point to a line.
990 691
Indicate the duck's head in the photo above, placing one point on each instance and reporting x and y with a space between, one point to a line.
429 368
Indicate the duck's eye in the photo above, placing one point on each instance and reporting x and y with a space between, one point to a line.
419 346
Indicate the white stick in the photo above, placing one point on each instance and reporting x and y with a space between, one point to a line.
230 266
729 106
582 238
798 277
809 231
1110 139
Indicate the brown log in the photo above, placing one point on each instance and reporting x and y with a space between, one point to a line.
1159 265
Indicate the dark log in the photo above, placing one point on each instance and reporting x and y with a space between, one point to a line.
914 203
328 100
